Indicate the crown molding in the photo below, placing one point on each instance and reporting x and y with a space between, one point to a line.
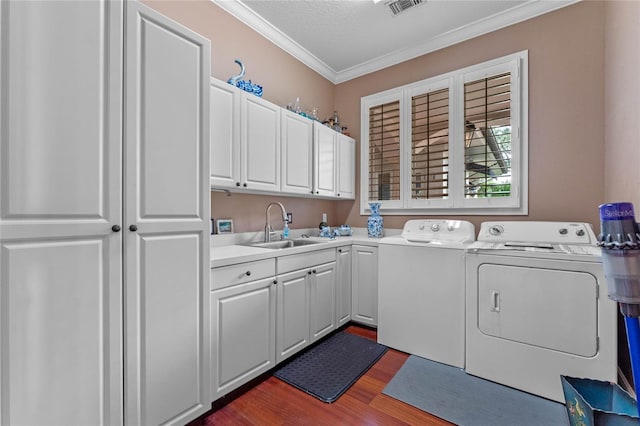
240 11
520 13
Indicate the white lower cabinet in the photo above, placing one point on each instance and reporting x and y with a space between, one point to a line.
323 300
343 285
264 312
292 332
364 285
306 300
243 333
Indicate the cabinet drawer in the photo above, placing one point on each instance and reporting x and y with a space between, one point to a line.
305 260
242 273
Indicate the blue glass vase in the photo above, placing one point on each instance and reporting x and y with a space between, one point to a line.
375 222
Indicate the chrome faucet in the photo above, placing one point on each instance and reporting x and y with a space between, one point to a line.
268 229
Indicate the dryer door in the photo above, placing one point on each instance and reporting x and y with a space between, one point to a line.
539 306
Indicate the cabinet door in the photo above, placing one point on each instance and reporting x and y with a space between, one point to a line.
297 153
343 286
243 321
324 160
364 285
260 136
60 194
292 322
323 300
225 134
167 220
346 173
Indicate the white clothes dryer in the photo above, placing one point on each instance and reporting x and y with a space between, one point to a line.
421 293
537 307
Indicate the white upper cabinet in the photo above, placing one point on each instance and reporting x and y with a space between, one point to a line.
346 170
260 144
225 134
297 153
324 182
258 147
244 139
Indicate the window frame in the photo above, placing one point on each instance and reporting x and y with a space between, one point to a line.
455 203
426 86
380 99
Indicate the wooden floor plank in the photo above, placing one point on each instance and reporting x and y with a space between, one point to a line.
273 402
406 412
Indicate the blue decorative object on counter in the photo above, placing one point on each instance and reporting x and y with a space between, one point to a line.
343 231
375 223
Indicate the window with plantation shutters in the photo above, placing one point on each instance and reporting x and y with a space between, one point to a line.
451 144
487 137
430 145
384 151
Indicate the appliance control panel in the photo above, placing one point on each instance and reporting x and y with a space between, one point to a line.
429 230
537 232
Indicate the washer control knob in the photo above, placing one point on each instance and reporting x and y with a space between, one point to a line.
580 232
496 230
563 231
435 227
421 227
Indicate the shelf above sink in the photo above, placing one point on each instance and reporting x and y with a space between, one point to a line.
277 245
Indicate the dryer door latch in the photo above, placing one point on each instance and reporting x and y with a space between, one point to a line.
494 302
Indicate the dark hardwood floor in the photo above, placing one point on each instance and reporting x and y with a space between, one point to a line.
273 402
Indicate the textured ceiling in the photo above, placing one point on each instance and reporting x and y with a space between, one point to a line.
346 38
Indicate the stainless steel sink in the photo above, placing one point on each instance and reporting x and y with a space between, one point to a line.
283 244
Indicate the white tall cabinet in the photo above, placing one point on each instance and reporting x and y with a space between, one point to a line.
104 210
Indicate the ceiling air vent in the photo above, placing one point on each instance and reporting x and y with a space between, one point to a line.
398 6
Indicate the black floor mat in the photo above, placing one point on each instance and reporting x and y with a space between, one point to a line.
328 369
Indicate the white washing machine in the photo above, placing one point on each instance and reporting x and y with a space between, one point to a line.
537 307
421 293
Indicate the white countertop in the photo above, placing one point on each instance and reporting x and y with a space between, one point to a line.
229 254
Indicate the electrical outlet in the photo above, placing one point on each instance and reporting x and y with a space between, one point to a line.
290 218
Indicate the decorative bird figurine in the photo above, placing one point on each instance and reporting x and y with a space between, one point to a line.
235 78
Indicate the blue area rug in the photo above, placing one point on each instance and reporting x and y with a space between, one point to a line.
463 399
329 368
